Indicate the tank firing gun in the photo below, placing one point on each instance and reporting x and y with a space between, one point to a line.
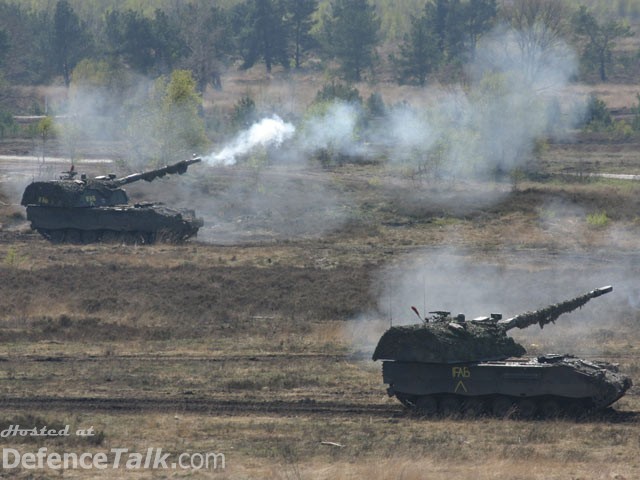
89 210
551 313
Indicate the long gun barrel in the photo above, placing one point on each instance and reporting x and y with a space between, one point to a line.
179 167
552 312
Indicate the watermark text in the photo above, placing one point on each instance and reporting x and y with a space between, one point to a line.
153 458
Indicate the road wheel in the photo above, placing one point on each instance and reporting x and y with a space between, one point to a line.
527 408
90 236
110 236
450 406
54 236
427 405
502 406
550 408
132 238
577 409
472 407
73 236
406 400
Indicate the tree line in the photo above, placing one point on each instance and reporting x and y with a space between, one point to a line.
38 46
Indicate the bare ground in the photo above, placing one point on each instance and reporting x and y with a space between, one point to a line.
258 346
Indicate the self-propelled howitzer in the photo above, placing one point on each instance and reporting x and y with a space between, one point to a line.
451 365
86 210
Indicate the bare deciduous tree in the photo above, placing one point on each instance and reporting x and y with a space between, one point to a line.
541 27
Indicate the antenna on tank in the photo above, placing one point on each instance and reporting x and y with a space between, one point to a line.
390 308
424 292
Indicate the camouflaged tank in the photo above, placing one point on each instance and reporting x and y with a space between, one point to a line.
88 210
450 365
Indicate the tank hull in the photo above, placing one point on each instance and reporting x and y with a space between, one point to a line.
550 383
131 223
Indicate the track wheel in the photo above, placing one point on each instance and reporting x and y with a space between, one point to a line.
472 407
576 409
406 400
427 405
130 238
450 406
150 237
110 236
54 236
501 406
73 235
90 236
527 408
550 408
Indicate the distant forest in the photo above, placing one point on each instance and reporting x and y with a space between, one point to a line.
139 68
44 41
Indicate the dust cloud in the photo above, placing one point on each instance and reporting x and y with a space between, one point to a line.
509 283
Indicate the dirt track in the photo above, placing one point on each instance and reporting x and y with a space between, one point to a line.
238 407
197 405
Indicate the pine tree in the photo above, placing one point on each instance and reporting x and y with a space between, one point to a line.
599 39
299 13
419 53
457 25
70 39
479 18
261 33
351 35
209 41
4 46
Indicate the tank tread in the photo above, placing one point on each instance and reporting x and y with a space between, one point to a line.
79 237
500 406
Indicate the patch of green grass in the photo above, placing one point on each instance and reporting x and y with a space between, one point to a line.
13 258
598 219
445 221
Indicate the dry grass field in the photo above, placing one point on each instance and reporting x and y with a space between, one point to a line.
261 350
254 340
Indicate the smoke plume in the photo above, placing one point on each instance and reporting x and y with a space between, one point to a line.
514 96
267 132
508 283
517 93
334 128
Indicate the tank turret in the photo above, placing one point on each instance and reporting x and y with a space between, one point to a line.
71 192
85 210
443 339
452 365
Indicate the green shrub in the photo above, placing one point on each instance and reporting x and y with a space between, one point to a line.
244 112
597 116
7 124
338 91
635 123
375 105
